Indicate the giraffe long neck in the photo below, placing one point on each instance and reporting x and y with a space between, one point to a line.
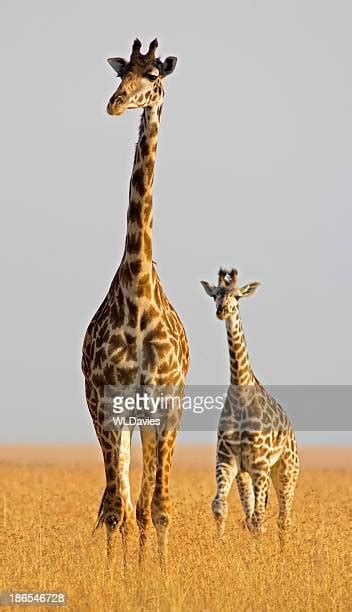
138 250
241 372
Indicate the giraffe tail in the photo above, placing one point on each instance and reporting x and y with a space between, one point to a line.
100 519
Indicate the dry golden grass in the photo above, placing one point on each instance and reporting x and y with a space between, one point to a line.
48 509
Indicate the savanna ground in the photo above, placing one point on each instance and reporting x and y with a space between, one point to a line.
50 498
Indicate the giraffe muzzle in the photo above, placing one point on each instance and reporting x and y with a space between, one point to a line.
221 314
116 105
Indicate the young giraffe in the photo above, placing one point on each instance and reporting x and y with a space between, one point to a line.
255 438
136 337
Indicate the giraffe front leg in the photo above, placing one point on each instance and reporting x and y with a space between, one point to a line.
260 478
226 471
161 501
143 508
246 493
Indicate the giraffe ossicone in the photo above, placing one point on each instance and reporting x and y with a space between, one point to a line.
136 337
256 441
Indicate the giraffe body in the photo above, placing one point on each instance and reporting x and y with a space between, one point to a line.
136 337
256 442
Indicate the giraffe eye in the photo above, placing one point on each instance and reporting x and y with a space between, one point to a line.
151 77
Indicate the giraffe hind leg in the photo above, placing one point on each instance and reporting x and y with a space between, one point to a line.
143 508
284 474
161 501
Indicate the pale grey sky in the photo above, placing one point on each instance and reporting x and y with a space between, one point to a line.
253 171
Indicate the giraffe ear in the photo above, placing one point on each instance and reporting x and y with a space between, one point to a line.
168 65
117 63
248 290
209 289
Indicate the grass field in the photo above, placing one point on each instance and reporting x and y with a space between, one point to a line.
50 498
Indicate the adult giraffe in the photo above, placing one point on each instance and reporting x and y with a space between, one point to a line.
136 338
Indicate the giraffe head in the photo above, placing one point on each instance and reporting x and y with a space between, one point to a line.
141 79
227 294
